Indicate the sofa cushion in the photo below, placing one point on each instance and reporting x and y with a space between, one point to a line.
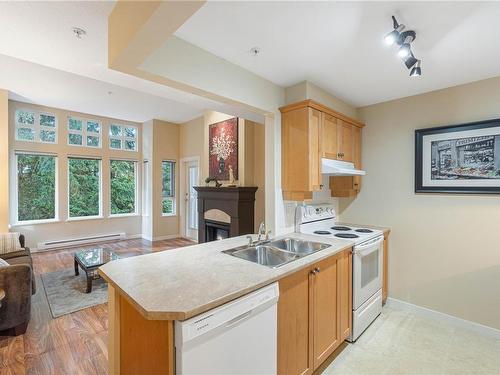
15 254
25 260
3 263
9 242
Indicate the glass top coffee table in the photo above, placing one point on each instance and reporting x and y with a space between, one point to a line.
90 260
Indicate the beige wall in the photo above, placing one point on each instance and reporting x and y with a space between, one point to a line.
307 90
165 147
251 155
444 249
4 161
64 228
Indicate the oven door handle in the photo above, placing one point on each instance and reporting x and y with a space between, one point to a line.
367 249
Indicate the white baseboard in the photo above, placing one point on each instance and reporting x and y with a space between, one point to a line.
127 237
436 315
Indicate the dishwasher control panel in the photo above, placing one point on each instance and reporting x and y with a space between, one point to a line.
227 315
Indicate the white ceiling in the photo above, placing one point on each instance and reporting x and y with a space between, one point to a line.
339 45
40 34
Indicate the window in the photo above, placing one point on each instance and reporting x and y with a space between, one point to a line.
123 137
83 132
123 186
36 187
84 177
35 126
168 192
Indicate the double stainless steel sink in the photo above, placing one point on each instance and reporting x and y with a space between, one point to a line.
277 253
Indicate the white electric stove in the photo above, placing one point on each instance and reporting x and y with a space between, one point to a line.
320 220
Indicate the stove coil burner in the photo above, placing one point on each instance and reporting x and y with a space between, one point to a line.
341 228
321 232
346 235
363 230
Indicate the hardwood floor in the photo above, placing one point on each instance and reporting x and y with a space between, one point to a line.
71 344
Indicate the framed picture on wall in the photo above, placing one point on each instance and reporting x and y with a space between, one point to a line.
223 150
458 159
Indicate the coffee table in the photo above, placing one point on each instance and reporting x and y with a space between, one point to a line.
90 260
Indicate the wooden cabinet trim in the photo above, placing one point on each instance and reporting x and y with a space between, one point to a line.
323 108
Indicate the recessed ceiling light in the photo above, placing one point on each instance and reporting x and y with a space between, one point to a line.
255 51
79 32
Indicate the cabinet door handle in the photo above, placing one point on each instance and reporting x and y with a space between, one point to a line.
317 270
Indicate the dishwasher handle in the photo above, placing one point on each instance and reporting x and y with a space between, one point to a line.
239 319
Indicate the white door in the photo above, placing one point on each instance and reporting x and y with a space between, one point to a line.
192 178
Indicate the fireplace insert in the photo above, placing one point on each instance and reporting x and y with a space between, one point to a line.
215 230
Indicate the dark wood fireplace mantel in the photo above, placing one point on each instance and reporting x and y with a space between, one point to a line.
237 202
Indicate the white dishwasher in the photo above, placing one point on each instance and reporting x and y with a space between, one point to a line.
239 337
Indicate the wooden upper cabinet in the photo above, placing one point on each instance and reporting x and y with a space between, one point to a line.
311 131
346 141
329 137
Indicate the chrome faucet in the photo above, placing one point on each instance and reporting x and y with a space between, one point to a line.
262 231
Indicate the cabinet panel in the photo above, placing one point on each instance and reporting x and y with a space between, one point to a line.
314 149
295 325
357 157
329 137
325 311
346 141
344 266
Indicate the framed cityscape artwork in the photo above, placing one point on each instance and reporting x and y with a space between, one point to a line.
223 150
458 159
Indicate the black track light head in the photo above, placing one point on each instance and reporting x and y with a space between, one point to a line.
416 71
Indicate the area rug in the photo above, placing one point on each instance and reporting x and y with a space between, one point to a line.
66 292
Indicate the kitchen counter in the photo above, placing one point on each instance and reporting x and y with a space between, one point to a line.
181 283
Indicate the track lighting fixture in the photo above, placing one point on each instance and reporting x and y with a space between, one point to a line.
393 36
404 39
416 70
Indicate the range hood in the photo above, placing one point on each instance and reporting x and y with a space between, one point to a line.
339 168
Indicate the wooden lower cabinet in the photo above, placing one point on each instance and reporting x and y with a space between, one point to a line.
314 314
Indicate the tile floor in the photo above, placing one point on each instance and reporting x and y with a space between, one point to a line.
400 342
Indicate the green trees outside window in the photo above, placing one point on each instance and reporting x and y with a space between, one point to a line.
84 187
123 185
168 192
36 187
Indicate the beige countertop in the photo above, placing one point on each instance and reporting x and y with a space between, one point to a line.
179 284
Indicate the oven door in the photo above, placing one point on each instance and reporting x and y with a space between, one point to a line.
367 270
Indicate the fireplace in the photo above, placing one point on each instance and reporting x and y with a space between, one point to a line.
215 230
225 212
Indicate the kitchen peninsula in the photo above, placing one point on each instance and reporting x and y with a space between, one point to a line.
147 294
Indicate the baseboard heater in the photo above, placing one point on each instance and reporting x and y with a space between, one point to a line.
80 241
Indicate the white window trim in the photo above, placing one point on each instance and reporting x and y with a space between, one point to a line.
77 218
84 133
122 138
37 127
15 199
174 198
136 197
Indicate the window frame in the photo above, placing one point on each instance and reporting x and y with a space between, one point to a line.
92 217
122 138
173 197
136 188
37 126
84 133
15 197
